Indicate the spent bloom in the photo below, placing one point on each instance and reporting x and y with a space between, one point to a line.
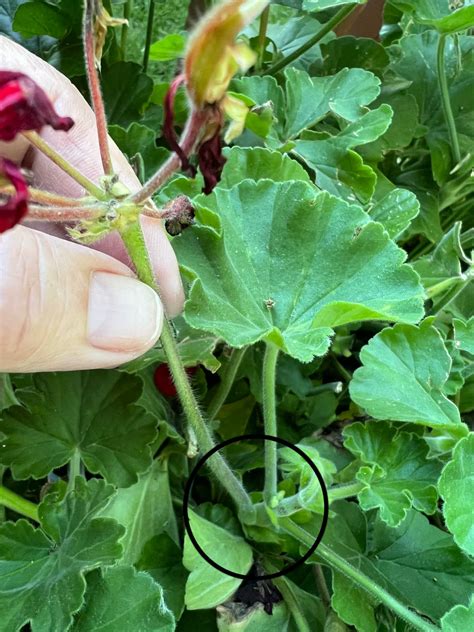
24 106
213 55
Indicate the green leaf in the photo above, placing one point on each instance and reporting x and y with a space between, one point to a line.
352 52
398 474
423 565
441 271
39 18
126 90
144 509
402 378
416 562
416 56
285 242
44 568
438 14
7 394
170 47
257 163
310 99
338 169
395 211
459 618
456 487
140 140
206 586
91 413
464 334
122 599
162 559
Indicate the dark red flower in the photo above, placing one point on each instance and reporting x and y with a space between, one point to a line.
24 106
164 381
16 206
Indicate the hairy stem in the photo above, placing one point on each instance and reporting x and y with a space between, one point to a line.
262 36
445 100
135 244
270 420
338 563
94 85
16 503
227 379
340 492
127 12
149 33
46 149
61 214
190 136
324 30
293 605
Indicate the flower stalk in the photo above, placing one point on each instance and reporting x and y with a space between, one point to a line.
89 42
269 414
46 149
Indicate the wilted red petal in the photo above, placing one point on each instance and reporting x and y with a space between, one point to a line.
16 207
211 161
24 106
168 125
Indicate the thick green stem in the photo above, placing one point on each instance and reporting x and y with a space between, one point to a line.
74 469
227 379
127 12
262 36
46 149
292 602
323 31
270 420
16 503
149 33
136 248
338 563
445 100
345 491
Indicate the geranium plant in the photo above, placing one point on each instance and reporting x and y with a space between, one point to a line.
317 188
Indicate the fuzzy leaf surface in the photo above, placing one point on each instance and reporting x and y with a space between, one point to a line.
44 568
398 474
90 412
456 487
402 378
284 263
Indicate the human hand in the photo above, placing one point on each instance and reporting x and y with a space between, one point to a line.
64 306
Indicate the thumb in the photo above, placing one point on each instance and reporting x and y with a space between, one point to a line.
65 307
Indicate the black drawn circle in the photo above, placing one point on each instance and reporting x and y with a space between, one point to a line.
187 493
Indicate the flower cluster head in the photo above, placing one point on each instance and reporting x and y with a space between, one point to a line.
213 56
24 106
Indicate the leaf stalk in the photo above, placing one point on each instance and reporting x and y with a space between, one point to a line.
317 37
16 503
270 421
445 100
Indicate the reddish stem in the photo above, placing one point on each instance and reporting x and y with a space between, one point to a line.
94 85
45 197
55 214
193 131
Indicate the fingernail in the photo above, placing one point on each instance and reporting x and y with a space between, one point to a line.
124 314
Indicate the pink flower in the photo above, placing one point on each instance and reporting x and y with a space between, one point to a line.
24 106
16 207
